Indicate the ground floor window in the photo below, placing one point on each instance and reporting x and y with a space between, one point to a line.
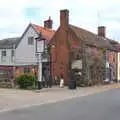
26 69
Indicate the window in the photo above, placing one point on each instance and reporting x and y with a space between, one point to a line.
77 57
26 70
3 57
30 40
3 53
12 53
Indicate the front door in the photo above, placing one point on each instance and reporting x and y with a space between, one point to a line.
45 74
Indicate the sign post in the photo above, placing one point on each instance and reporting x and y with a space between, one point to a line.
40 46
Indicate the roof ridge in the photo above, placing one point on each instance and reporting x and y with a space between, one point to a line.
84 29
91 32
7 43
10 38
50 30
89 37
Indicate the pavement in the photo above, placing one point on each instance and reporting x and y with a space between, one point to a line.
12 99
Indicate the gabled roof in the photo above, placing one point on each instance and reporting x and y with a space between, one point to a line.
46 33
90 38
9 43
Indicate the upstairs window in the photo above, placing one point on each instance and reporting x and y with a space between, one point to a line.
30 40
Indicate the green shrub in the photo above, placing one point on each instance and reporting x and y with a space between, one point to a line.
26 81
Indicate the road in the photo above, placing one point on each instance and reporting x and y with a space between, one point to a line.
100 106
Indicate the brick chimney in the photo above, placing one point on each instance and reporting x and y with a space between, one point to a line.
102 31
48 23
64 18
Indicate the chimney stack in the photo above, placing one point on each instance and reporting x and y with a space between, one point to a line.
102 31
64 18
48 23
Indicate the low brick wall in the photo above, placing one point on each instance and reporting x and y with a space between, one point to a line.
9 73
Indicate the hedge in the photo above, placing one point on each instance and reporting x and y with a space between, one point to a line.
26 81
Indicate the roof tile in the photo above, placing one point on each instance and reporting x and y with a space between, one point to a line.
9 42
47 33
90 38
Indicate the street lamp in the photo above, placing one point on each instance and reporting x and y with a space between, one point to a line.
40 47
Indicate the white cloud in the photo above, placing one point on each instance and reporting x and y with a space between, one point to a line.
83 13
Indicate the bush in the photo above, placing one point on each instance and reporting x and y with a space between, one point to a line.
26 81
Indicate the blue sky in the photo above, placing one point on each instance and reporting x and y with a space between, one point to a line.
15 15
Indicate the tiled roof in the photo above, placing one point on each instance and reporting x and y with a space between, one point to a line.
9 43
90 38
46 33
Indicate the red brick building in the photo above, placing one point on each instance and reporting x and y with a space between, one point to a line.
68 37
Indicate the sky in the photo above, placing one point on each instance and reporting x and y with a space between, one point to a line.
15 15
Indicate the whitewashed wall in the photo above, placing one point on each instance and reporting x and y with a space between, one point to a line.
25 54
8 60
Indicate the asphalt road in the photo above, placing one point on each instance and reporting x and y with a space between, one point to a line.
101 106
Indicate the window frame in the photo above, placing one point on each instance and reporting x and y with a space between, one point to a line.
12 53
30 40
3 55
26 69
